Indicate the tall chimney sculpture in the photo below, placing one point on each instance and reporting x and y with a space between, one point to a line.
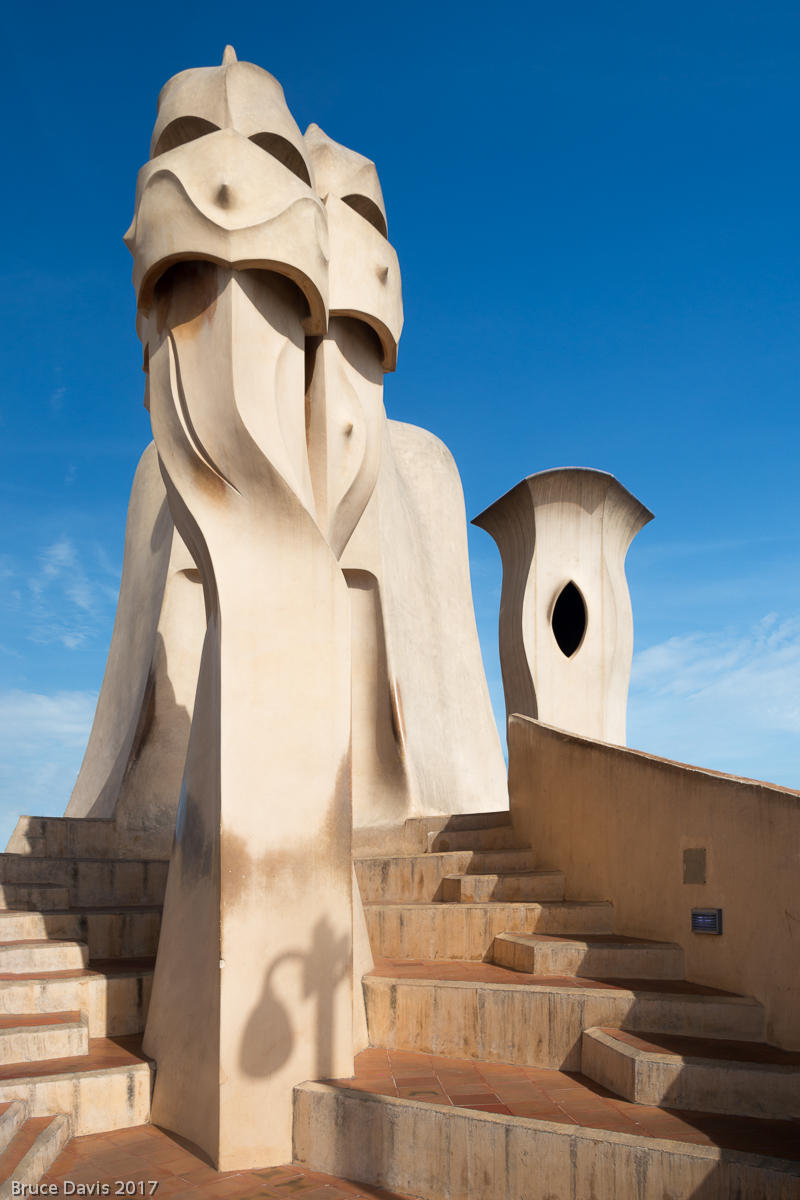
268 312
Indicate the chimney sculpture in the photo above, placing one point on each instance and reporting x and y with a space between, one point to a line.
566 626
232 270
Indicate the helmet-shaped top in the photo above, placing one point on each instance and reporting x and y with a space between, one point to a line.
236 95
345 173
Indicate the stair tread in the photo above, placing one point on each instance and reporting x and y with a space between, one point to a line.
88 909
41 942
456 971
426 856
34 1020
483 904
71 858
104 1054
100 966
702 1049
567 1098
21 1143
523 873
608 941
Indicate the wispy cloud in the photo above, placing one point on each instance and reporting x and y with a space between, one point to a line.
42 740
63 601
728 699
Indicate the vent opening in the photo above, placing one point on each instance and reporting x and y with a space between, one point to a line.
569 619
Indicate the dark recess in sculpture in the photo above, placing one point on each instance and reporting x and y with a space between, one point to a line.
569 619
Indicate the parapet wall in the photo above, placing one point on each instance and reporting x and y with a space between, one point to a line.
618 821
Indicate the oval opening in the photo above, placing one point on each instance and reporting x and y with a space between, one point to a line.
569 619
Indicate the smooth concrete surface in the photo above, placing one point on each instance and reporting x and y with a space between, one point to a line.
261 868
445 1153
566 528
617 821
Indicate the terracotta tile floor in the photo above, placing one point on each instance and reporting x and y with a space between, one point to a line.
146 1153
565 1098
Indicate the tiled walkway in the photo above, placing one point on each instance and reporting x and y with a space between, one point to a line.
147 1154
567 1099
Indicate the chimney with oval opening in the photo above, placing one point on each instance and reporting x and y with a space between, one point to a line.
566 626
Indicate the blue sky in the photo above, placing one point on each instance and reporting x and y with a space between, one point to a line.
595 209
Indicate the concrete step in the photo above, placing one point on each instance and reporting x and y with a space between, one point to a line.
37 897
466 931
600 956
521 885
475 1010
453 1151
114 994
22 957
412 837
90 881
116 932
414 877
25 1038
747 1079
458 822
498 837
107 1088
34 1147
12 1116
83 837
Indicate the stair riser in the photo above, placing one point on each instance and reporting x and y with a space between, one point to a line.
752 1091
115 1005
591 963
108 935
29 897
24 1044
41 1155
68 956
96 1102
82 837
453 1154
532 1026
503 838
400 879
482 889
89 882
462 932
417 831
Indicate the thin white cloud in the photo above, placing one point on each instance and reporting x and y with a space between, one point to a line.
728 699
42 740
66 602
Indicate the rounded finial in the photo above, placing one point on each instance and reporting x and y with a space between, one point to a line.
229 56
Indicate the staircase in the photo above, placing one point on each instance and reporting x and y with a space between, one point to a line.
78 935
523 1048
